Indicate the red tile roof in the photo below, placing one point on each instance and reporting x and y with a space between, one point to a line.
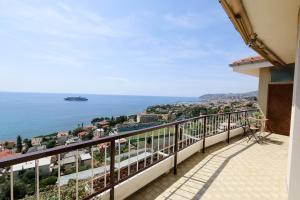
82 134
5 153
252 59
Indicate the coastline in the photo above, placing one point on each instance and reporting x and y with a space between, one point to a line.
35 114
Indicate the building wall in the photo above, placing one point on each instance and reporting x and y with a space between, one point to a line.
264 80
294 145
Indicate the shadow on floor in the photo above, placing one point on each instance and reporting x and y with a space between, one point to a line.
215 160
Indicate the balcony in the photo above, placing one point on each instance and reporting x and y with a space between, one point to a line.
241 170
193 158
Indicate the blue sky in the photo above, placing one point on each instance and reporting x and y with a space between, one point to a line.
134 47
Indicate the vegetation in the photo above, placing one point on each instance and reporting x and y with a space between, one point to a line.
19 144
112 121
88 136
8 145
76 131
27 143
51 143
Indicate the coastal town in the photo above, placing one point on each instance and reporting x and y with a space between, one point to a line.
101 127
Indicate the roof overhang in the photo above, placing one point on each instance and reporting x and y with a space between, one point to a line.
267 26
251 69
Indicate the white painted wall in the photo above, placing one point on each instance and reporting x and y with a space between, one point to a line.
294 147
135 183
264 80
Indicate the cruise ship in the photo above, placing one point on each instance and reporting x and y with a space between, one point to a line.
76 99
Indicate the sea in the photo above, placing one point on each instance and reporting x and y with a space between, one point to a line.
34 114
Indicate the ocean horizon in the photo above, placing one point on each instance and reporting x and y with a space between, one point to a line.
33 114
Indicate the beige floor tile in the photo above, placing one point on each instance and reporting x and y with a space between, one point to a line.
241 170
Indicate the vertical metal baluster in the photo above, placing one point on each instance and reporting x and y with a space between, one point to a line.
92 168
186 132
225 121
176 130
137 152
212 125
209 122
219 121
77 175
158 138
216 125
180 136
37 177
216 122
129 151
169 143
112 169
188 128
204 134
119 159
202 128
145 150
11 183
105 169
228 131
196 130
174 140
199 128
58 176
191 132
152 147
164 143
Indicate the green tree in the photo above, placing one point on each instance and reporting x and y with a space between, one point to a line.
5 190
27 143
51 144
20 189
76 131
28 177
88 136
19 144
227 109
51 180
8 145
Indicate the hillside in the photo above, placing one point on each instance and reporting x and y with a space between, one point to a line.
224 96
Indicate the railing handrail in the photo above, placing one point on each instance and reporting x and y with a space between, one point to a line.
16 159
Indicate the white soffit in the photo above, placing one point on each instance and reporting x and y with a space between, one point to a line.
275 23
251 69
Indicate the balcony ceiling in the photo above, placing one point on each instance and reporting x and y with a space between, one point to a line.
275 23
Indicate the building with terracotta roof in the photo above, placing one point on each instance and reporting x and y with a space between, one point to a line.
82 134
5 153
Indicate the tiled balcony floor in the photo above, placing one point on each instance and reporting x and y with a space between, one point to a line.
239 171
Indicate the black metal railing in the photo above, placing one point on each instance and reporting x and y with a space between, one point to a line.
86 169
